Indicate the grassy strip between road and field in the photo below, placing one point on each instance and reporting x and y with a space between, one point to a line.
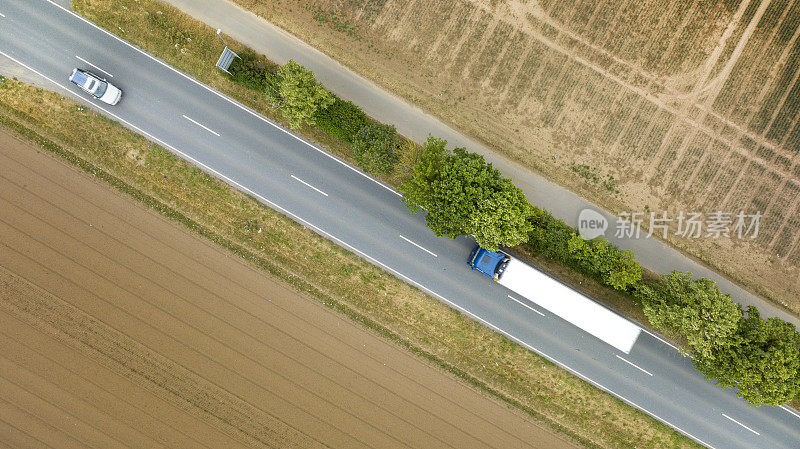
338 278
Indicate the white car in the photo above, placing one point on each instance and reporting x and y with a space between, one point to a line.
96 86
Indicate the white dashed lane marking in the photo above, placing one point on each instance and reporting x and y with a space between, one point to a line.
737 422
98 68
201 125
308 185
635 366
418 246
524 305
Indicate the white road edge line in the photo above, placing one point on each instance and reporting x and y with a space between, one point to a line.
525 305
98 68
201 125
737 422
789 410
308 185
418 246
634 365
331 236
225 97
661 340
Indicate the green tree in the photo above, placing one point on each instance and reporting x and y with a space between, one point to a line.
763 363
499 218
616 268
375 148
694 308
301 95
463 195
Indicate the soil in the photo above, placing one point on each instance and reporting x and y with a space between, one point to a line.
122 329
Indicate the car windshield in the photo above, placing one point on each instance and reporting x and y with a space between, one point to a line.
101 88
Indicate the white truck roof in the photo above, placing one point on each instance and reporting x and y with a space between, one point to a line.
570 305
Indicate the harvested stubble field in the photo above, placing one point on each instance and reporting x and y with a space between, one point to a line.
121 329
680 105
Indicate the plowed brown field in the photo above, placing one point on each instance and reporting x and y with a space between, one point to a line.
120 329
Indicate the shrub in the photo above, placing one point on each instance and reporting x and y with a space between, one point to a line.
375 148
625 272
554 239
550 236
255 72
301 95
694 308
614 267
408 153
342 119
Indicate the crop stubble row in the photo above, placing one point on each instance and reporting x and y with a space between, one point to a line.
617 80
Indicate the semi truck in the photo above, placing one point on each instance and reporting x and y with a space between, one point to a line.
550 294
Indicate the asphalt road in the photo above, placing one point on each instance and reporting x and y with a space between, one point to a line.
411 121
331 197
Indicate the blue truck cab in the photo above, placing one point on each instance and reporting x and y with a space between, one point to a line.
490 263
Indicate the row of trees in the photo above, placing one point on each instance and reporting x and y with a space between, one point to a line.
732 347
303 101
463 195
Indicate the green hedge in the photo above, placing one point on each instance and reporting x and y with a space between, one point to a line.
614 267
255 72
375 148
342 119
550 236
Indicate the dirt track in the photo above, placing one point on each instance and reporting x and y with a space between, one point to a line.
119 329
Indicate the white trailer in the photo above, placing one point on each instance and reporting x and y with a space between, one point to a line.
570 305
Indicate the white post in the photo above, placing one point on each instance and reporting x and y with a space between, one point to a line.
219 30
